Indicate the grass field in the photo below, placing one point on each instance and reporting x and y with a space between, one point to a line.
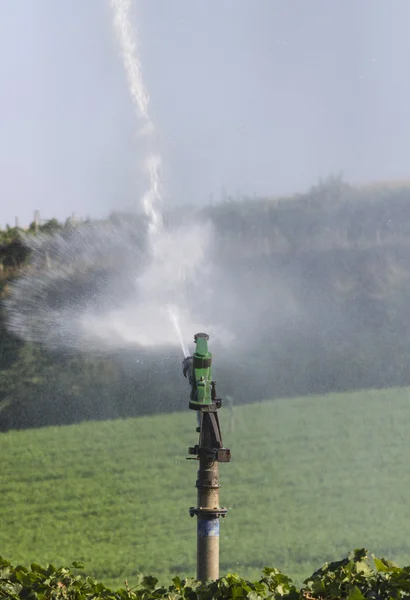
310 479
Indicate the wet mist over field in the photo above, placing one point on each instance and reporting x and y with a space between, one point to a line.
300 296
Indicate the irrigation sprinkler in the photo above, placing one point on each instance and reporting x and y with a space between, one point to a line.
209 452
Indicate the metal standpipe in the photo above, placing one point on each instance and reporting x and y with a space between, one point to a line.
208 519
209 452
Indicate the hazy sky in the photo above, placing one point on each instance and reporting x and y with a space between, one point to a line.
258 96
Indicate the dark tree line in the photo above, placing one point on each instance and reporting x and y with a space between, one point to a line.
318 287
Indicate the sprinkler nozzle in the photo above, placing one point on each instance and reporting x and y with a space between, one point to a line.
198 370
201 335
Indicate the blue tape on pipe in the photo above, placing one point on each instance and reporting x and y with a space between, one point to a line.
208 527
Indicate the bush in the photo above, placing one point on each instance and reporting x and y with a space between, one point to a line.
357 577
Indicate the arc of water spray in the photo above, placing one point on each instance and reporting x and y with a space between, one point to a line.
152 199
174 319
127 38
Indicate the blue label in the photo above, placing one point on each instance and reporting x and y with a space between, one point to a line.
208 527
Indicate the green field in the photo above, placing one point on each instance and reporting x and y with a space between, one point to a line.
310 479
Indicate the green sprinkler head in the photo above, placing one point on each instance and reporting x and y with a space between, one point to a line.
199 370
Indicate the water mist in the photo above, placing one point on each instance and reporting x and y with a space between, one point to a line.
152 199
130 281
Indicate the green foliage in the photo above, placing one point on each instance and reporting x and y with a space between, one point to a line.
358 577
13 250
353 578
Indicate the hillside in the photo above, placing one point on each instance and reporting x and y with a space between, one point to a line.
310 479
314 287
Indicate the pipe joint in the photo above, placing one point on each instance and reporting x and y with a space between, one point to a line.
207 513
